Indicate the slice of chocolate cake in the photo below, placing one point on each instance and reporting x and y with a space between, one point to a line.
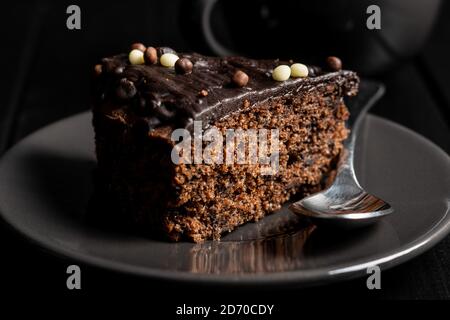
277 129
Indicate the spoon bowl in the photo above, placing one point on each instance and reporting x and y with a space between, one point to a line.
354 210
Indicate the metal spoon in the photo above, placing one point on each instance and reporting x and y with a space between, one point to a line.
345 203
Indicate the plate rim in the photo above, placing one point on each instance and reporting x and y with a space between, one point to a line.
295 278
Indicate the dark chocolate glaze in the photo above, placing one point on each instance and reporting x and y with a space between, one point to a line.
164 97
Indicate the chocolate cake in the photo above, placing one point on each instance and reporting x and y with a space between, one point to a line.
143 98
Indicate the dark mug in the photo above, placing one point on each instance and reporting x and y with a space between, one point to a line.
308 31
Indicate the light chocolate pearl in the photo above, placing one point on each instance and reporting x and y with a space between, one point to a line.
299 70
240 78
150 56
168 60
136 57
281 73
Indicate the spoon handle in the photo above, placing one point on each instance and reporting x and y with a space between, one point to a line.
369 93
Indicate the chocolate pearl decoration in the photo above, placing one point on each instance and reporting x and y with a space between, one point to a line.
281 73
98 69
138 46
312 71
150 56
299 70
126 89
168 60
334 63
183 66
240 78
136 56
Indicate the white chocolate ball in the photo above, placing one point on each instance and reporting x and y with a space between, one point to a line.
168 60
299 70
136 57
281 73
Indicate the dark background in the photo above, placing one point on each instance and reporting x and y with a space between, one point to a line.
46 76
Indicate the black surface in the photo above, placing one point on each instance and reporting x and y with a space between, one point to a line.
46 72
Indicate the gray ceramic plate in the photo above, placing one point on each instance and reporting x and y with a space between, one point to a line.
45 185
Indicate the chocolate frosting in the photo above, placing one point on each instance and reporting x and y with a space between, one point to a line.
163 97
